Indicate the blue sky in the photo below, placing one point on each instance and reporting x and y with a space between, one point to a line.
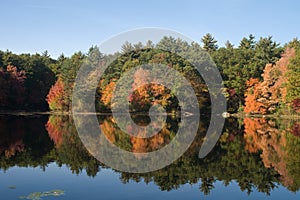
29 26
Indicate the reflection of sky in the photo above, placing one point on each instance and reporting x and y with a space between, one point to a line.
107 185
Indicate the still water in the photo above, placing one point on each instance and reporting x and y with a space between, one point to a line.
42 157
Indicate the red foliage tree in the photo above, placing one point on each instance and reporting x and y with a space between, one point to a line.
296 129
12 88
56 97
296 104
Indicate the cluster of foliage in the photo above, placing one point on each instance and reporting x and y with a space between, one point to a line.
60 94
12 95
56 96
25 81
240 64
293 79
148 94
266 96
278 91
143 97
251 105
296 105
248 70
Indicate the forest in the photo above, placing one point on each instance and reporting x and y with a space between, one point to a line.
260 76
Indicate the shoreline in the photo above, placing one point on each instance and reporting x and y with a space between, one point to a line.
227 115
273 116
31 113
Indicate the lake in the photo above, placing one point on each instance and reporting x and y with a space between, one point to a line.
42 157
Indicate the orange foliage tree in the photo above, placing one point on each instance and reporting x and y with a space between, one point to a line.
265 97
107 92
147 94
251 105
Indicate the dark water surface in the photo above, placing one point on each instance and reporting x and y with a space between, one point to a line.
253 159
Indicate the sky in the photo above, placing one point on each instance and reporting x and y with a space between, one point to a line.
68 26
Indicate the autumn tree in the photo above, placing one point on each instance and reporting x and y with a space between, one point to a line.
148 94
251 103
60 95
268 95
56 96
238 65
12 88
106 93
296 105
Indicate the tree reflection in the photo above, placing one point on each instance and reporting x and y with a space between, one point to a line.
278 145
24 142
255 153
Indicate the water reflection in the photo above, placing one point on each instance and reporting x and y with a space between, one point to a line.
256 153
135 144
278 145
23 141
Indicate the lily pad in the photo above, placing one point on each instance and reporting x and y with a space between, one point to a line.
39 195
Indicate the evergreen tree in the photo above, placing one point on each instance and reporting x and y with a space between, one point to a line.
127 47
248 43
209 43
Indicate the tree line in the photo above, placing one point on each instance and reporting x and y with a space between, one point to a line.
260 76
